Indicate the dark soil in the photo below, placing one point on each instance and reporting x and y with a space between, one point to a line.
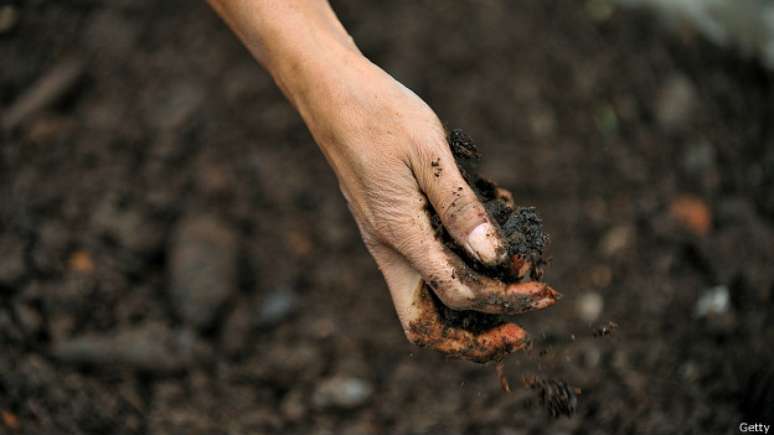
164 147
469 320
557 397
520 227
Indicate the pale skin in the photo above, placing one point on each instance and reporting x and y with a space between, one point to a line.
390 154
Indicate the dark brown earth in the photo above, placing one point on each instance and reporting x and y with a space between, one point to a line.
520 228
558 398
163 146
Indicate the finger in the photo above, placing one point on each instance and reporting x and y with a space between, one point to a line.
423 325
456 284
427 329
401 279
518 298
461 213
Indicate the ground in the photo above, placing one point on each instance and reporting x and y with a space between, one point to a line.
169 158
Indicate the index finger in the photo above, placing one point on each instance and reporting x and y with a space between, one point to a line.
425 328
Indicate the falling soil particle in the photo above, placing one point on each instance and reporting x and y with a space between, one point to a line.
606 330
500 368
557 397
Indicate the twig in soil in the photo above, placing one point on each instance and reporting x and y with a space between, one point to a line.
46 90
499 368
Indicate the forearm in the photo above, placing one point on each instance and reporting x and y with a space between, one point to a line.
300 42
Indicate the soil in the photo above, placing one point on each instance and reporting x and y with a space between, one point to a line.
520 228
162 147
558 398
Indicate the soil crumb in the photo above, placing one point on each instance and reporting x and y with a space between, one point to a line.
606 330
557 397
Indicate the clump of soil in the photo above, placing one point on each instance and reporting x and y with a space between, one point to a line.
557 397
606 330
520 227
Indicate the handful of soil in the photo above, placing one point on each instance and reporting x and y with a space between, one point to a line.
520 228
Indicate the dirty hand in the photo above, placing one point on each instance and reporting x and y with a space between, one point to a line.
390 154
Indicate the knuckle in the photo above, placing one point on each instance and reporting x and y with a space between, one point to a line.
428 152
458 208
386 227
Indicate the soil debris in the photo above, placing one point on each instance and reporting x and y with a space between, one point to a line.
520 227
10 420
692 213
50 87
606 330
557 397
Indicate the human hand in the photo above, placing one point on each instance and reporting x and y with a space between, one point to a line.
393 162
390 154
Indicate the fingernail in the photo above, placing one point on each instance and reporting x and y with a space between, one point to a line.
543 303
549 293
483 243
549 296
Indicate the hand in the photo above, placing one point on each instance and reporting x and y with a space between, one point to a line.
392 160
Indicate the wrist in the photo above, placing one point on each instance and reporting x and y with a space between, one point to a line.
313 71
298 41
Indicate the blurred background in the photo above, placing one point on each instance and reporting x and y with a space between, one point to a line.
176 258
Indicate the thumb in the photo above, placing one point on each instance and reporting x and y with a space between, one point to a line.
461 213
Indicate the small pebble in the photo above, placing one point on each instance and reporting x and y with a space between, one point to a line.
589 306
203 262
9 16
342 392
676 103
616 240
713 302
277 306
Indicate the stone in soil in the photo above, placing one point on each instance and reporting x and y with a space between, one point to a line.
153 348
344 392
203 264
